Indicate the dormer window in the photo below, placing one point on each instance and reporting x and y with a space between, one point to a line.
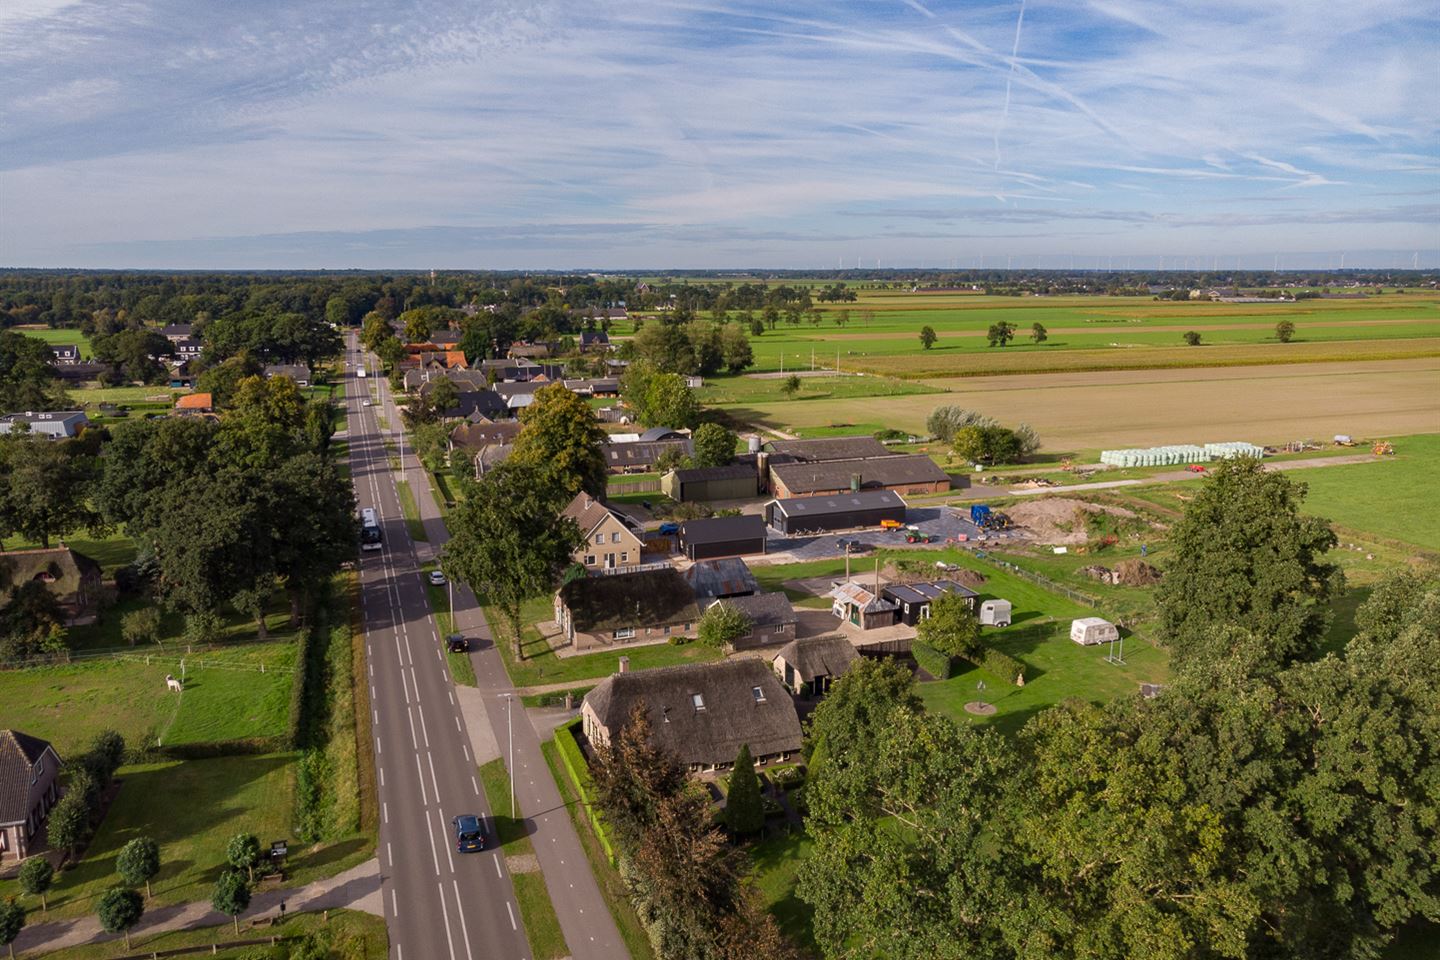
699 701
758 694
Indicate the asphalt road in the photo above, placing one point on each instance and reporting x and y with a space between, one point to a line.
439 904
585 920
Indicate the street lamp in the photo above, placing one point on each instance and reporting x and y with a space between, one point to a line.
509 701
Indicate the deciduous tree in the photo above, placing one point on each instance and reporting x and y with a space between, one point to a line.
243 853
36 875
1000 334
1285 331
714 445
952 627
722 623
12 921
927 337
559 431
1038 333
231 896
138 862
119 909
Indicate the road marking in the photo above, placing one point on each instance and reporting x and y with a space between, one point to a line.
512 915
424 802
446 911
497 866
385 811
421 710
450 695
434 854
457 724
377 746
475 785
394 908
460 909
413 741
449 857
431 760
390 855
382 775
403 682
467 752
375 715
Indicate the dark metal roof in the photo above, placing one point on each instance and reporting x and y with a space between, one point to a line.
661 433
734 471
840 503
926 591
721 529
764 609
876 472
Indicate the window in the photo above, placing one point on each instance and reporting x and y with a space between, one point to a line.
624 633
758 694
615 537
624 557
699 701
599 538
667 629
589 560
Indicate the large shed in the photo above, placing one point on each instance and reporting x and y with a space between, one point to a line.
736 481
914 473
722 537
844 512
915 598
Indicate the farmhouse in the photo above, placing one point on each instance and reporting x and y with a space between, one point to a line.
295 371
53 425
594 341
615 608
722 537
639 456
704 713
772 619
176 332
818 514
914 599
808 667
187 348
65 353
29 787
73 579
609 541
715 579
737 481
911 474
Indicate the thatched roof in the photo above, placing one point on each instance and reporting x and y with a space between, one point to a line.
728 713
818 656
60 568
640 599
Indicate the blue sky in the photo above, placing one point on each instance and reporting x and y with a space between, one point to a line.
612 135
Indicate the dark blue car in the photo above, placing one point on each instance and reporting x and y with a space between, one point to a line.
669 528
469 833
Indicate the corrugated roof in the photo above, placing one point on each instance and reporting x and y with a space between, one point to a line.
831 448
840 503
876 472
725 577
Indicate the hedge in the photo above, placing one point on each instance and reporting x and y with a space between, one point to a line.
574 760
1002 665
939 665
299 692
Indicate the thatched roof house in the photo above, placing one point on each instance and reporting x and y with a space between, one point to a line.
703 713
626 606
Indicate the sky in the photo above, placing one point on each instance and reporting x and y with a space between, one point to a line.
540 134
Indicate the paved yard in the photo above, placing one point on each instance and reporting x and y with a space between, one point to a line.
947 525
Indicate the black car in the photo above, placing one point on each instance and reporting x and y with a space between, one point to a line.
469 833
456 643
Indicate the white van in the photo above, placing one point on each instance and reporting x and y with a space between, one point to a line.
1088 631
995 613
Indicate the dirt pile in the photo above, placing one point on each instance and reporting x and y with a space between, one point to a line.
1127 573
1060 520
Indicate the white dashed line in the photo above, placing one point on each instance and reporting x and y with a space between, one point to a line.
512 915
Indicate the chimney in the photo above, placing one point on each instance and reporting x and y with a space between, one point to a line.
624 665
762 463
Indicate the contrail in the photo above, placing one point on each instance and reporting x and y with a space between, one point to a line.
1014 54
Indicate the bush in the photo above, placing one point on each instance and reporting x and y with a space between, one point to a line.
788 778
939 665
140 626
1002 665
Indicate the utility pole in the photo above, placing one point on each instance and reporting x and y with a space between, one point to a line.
509 701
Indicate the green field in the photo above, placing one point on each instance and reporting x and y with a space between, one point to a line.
191 809
1394 498
59 336
226 697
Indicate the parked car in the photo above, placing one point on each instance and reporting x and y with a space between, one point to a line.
854 546
437 578
469 833
365 403
456 643
669 529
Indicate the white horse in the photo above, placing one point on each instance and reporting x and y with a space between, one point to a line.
172 684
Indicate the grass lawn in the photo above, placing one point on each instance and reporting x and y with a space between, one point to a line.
1393 498
541 666
59 336
110 552
775 861
612 886
461 669
226 697
731 389
542 926
410 510
354 935
192 809
131 396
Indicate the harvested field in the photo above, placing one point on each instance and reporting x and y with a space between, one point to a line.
1083 413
